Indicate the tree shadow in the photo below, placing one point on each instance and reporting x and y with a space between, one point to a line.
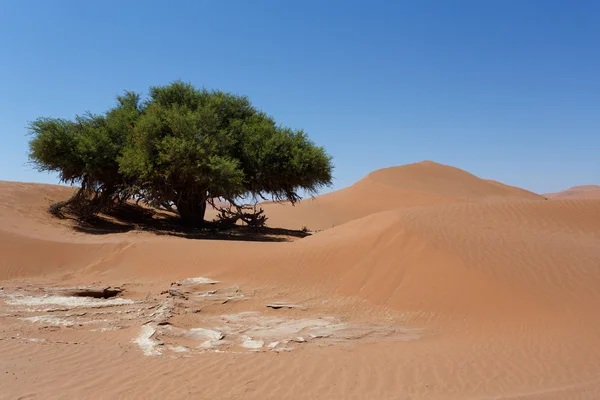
130 217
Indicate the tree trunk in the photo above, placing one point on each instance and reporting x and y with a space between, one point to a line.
191 209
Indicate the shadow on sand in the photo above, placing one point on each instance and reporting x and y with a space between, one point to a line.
131 217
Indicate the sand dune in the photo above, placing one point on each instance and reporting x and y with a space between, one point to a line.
405 186
577 192
469 257
436 284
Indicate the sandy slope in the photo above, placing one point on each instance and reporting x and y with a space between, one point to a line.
465 288
404 186
577 192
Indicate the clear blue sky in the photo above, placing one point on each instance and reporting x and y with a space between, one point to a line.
505 89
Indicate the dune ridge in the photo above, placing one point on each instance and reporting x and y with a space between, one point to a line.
577 192
418 184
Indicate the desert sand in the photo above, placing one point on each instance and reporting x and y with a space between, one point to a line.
577 192
421 281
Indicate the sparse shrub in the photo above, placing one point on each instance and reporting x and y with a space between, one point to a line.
250 215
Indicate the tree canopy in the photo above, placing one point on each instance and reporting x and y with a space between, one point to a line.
181 147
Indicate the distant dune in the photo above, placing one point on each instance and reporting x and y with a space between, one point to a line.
425 282
423 183
577 192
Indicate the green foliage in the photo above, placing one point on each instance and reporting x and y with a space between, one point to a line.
181 147
86 150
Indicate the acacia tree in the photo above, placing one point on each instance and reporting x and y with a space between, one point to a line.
183 147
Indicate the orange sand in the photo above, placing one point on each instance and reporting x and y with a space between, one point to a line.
577 192
425 282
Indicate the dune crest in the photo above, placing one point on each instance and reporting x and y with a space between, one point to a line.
577 192
418 184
